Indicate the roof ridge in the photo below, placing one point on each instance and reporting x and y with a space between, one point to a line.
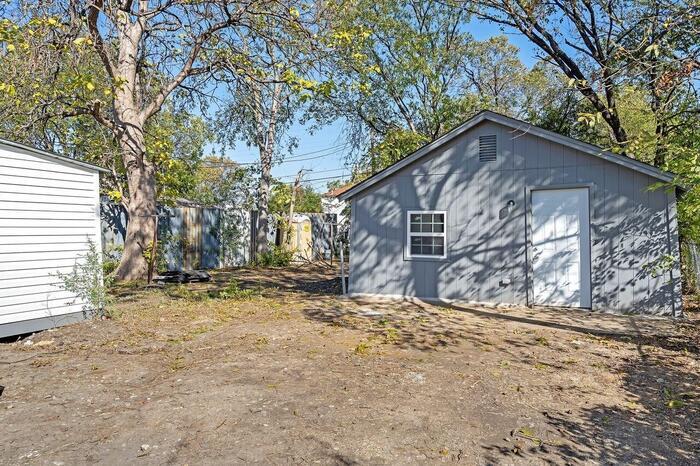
515 124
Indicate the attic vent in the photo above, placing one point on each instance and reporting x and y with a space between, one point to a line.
487 148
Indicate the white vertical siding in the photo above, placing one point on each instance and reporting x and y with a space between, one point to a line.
48 210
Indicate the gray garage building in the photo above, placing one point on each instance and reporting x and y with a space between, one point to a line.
500 211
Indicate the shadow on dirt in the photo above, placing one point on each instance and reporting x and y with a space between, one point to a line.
660 423
418 323
639 330
310 279
416 327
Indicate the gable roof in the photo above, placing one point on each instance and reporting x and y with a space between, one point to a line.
517 125
51 155
338 191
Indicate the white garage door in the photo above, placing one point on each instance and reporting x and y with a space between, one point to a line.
561 247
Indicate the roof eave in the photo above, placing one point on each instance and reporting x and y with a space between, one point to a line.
61 158
582 146
390 170
517 125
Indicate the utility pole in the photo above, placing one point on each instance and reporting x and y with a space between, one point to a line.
295 187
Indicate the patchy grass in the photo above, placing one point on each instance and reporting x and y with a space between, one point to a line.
269 365
542 341
234 291
363 348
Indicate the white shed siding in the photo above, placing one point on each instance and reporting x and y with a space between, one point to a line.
48 210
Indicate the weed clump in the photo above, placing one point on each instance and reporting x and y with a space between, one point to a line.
277 256
234 291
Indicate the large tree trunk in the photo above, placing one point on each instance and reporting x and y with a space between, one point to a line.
141 206
266 129
140 224
262 245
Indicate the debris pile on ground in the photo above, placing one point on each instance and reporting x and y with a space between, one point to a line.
183 276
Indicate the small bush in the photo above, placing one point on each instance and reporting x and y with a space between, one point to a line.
234 291
181 291
109 265
277 256
87 281
111 258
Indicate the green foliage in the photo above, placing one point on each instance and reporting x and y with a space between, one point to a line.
44 71
659 267
688 269
34 97
397 144
684 160
404 73
234 291
496 74
219 181
277 256
184 292
110 259
395 64
175 142
306 200
87 281
269 84
109 266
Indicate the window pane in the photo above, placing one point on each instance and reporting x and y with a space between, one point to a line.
421 224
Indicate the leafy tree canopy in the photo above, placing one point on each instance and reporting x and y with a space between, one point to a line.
306 199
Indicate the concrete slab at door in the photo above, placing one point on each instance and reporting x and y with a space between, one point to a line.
561 253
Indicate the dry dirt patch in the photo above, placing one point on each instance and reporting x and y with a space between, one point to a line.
280 369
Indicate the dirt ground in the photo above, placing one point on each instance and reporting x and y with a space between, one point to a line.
273 366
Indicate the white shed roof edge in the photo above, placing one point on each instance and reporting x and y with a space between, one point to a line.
51 155
524 128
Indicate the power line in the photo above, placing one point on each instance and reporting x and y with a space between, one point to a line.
311 158
215 164
320 179
344 169
326 178
293 158
320 150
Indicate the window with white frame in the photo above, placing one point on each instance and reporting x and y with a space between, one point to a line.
426 233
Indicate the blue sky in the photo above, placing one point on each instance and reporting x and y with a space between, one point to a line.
326 155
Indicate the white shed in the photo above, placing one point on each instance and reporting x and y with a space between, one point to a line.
49 209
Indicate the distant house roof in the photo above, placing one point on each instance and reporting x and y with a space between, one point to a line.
51 155
519 126
338 191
